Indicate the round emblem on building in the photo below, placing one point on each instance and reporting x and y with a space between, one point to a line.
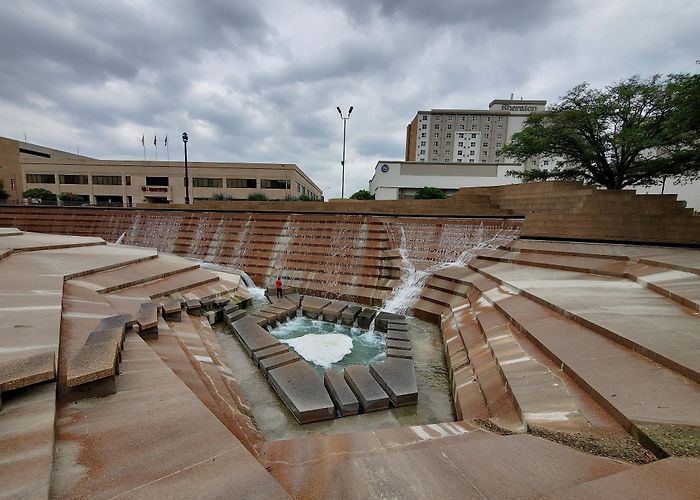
385 168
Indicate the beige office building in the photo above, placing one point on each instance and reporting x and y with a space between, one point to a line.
24 166
467 135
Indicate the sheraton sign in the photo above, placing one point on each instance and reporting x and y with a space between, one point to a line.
518 107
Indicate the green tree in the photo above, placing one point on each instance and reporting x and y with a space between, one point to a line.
3 194
39 194
430 193
66 196
633 133
362 194
257 197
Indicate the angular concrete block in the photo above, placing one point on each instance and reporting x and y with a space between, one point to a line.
312 306
229 308
272 362
349 315
384 318
398 344
397 326
333 311
345 400
398 353
253 336
302 391
21 372
172 310
193 306
369 393
92 362
275 350
398 379
397 335
364 319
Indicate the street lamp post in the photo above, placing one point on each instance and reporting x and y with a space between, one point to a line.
187 182
345 123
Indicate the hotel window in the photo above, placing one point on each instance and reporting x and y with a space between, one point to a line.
488 118
461 127
472 153
424 117
498 144
486 145
450 117
275 184
435 152
485 153
41 178
460 144
447 160
436 143
459 153
437 118
486 136
500 118
422 151
448 143
127 180
157 181
449 126
472 144
471 160
73 179
423 135
474 127
207 182
461 118
107 180
437 135
246 183
424 126
499 136
473 136
449 135
422 143
437 126
475 118
545 162
487 127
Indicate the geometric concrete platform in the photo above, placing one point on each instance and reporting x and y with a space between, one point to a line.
398 379
302 390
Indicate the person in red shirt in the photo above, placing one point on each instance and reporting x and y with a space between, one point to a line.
278 285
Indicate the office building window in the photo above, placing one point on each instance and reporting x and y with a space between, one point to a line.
435 152
471 160
499 136
472 153
461 117
207 182
447 160
498 144
485 153
486 136
157 181
474 127
448 143
41 178
450 117
422 143
436 143
488 118
127 180
500 125
422 151
545 162
473 136
246 183
437 118
500 118
107 180
487 127
475 118
459 153
423 135
424 117
449 135
73 179
298 187
275 184
459 160
472 144
437 134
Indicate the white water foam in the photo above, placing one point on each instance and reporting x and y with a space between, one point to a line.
321 349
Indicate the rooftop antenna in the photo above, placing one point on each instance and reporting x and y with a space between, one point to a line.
25 137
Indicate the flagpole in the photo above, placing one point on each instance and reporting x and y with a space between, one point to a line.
167 148
155 146
143 143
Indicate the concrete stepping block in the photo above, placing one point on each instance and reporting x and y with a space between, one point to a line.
194 306
383 319
272 362
264 318
253 336
397 335
398 379
364 319
275 350
397 326
230 307
281 314
207 303
147 319
220 301
345 400
22 372
234 316
302 391
172 310
398 344
333 311
312 306
92 363
398 353
294 298
369 393
349 315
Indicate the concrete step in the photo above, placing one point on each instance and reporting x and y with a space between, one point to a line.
624 311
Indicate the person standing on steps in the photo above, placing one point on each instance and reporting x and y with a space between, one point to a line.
278 286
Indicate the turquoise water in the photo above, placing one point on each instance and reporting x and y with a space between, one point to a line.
329 345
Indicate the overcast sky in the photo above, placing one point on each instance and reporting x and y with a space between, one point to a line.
259 81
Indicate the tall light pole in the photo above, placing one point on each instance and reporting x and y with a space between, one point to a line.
345 123
187 181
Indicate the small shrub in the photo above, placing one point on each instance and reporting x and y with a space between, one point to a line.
305 197
289 197
430 193
221 197
362 194
257 197
39 194
66 196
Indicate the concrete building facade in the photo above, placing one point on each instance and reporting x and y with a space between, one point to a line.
24 166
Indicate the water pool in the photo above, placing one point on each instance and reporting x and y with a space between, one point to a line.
330 345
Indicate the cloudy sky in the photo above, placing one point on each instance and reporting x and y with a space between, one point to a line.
259 81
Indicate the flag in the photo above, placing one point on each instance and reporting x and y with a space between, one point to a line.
166 140
154 140
143 139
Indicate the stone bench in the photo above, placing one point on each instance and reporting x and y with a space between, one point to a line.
22 372
92 371
349 315
172 310
147 319
345 401
369 393
398 379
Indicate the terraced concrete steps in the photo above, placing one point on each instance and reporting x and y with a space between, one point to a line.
619 309
646 398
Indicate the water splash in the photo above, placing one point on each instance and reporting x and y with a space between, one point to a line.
120 239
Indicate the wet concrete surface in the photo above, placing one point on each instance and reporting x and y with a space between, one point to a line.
276 422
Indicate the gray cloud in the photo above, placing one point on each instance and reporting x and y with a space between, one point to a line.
259 81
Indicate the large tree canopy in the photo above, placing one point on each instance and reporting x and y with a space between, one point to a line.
634 133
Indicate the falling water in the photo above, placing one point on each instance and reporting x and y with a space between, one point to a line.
120 239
